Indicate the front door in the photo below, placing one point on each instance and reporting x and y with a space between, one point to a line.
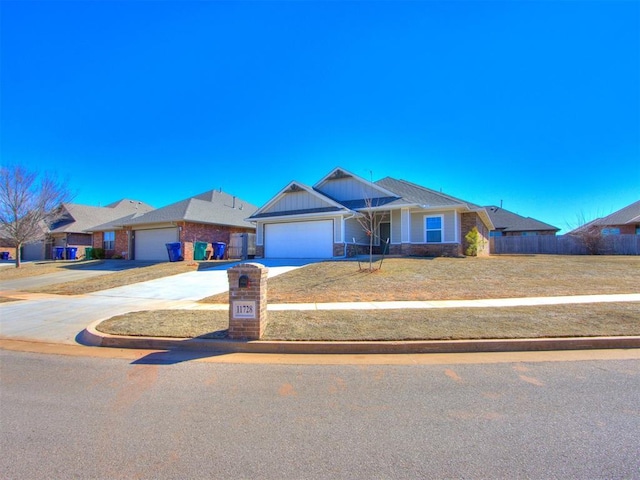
385 234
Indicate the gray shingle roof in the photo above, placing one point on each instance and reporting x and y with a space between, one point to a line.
507 221
626 215
416 194
83 218
212 207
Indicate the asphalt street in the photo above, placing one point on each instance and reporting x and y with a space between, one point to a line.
170 417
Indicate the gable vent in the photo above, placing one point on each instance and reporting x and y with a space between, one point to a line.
339 174
294 188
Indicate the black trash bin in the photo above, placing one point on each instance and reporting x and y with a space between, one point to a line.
71 253
58 253
175 251
218 250
4 255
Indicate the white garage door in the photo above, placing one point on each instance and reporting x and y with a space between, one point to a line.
150 244
299 240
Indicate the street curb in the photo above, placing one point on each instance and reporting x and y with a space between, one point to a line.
91 336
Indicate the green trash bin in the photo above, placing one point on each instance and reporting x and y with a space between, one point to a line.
88 253
200 250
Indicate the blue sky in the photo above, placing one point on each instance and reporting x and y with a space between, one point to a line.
533 103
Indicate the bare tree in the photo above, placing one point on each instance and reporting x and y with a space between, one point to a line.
370 220
29 203
589 234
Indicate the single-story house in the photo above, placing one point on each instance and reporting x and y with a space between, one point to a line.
511 224
322 221
625 221
7 245
208 217
72 228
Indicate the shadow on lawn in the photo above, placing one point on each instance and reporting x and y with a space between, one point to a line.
107 265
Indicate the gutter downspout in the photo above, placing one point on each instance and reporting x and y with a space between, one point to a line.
353 215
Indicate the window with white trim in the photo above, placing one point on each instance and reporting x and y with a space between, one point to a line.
109 240
433 229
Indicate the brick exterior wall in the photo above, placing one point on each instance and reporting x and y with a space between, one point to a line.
198 232
11 250
625 229
426 249
470 220
121 246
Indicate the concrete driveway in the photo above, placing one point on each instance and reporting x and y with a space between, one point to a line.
59 318
195 285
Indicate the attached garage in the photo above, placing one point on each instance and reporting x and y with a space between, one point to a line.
299 239
151 244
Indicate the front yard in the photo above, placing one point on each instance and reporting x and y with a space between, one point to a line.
425 279
402 279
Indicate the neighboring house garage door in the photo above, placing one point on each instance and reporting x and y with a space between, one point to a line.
150 244
299 240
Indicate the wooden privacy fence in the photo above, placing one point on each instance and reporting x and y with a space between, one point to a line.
565 245
242 245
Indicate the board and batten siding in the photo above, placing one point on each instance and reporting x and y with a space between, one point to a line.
353 229
296 201
344 189
418 227
396 226
259 233
337 230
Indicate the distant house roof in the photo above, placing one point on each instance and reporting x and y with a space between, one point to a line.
627 215
78 218
212 207
507 221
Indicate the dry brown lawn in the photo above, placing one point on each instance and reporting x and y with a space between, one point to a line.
140 272
32 269
379 325
403 279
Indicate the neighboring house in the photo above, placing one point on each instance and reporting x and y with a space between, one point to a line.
7 246
73 227
209 217
511 224
321 221
625 221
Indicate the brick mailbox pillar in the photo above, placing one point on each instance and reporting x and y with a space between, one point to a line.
247 301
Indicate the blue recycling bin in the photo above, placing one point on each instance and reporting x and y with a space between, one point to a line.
58 253
71 253
175 251
4 255
218 250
